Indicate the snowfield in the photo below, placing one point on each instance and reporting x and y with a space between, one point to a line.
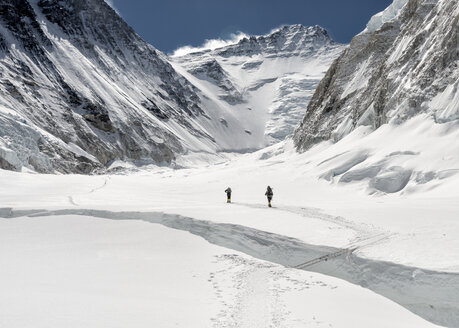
84 272
349 210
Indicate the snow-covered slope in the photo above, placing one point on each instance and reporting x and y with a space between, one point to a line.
264 83
406 244
404 63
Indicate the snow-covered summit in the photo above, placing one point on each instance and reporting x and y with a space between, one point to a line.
287 38
290 40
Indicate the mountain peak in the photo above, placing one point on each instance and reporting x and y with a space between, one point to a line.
288 39
299 28
307 33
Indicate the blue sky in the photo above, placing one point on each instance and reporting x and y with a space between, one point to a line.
170 24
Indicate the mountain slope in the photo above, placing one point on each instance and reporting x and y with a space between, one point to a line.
403 64
266 80
388 108
80 89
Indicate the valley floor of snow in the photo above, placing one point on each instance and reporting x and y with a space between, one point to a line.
157 246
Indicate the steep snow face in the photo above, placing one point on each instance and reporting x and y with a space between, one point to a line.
80 89
405 63
262 83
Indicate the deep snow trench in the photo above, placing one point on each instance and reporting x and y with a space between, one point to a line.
429 294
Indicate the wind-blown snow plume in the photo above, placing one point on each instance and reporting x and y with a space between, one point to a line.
210 44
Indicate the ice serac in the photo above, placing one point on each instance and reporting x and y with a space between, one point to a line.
263 83
79 89
404 63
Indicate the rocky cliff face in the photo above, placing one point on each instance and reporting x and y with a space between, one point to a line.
80 89
403 64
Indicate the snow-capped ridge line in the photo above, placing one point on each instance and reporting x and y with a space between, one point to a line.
427 292
241 37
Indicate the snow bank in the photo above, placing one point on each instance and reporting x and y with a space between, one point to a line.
395 179
346 162
360 174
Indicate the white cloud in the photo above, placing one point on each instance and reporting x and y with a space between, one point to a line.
210 44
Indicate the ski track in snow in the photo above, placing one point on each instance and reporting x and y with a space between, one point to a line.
71 198
430 294
364 231
367 235
72 201
101 187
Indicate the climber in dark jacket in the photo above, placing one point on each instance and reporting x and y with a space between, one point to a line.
269 194
228 194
